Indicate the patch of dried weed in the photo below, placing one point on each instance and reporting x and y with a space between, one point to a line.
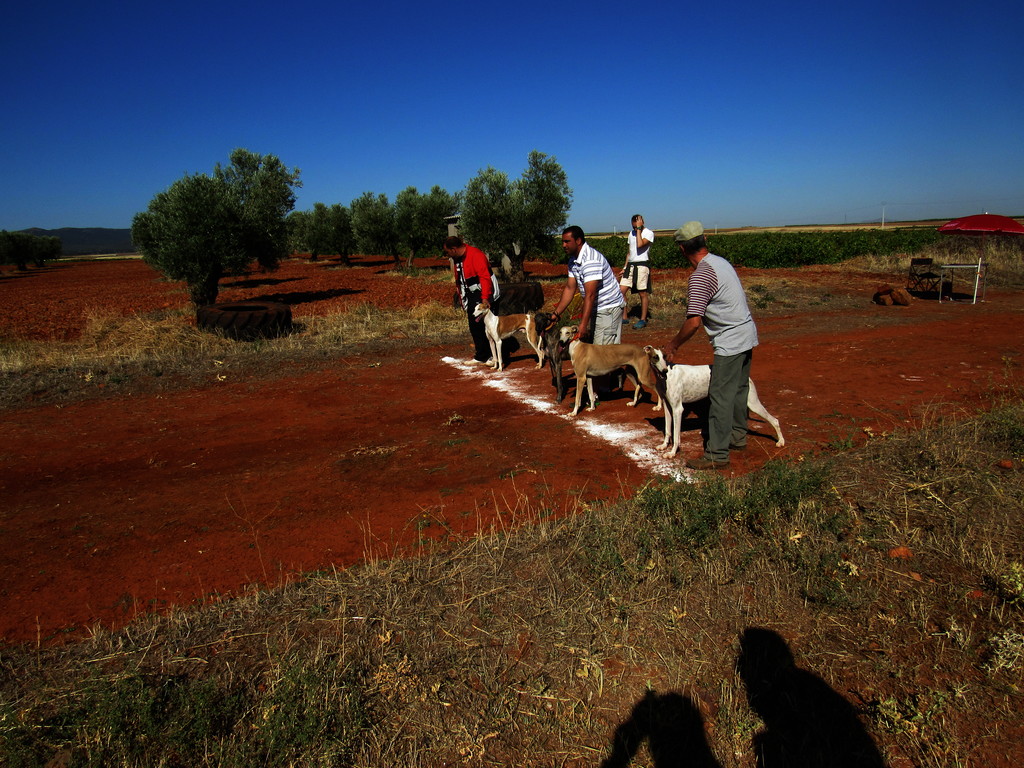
862 609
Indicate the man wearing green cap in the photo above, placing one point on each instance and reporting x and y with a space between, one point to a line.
716 300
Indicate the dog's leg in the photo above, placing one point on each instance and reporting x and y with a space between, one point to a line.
677 421
637 389
590 391
754 405
556 361
495 349
533 336
646 375
581 382
668 427
493 340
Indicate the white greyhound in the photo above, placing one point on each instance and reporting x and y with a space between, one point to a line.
679 385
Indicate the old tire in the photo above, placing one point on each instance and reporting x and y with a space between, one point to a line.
246 320
520 298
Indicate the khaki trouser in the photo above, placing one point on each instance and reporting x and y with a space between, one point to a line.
727 417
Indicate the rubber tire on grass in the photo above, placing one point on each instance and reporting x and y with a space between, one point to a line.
246 321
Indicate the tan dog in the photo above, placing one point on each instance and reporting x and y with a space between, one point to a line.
680 385
500 327
589 360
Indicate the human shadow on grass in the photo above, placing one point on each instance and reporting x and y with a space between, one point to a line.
673 729
806 722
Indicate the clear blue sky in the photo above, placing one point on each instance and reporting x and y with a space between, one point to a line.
734 113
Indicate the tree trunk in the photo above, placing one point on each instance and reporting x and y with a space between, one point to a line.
515 272
412 254
204 291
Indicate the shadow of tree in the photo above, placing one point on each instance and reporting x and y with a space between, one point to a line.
259 282
807 724
382 262
306 297
673 728
18 274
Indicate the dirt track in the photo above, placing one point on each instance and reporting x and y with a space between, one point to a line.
117 505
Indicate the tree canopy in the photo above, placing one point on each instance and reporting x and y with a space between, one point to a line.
513 217
20 248
204 227
420 219
324 230
373 224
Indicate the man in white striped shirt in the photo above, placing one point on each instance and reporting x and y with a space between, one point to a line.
716 300
591 275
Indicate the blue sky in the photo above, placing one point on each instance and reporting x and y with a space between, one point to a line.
734 113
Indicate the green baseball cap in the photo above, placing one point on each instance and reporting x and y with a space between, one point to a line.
688 231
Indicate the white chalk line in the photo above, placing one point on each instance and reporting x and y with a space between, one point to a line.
630 440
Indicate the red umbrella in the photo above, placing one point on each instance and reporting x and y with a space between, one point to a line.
984 224
980 224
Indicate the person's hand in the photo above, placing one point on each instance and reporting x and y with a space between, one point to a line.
669 351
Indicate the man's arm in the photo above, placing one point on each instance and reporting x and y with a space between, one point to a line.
689 327
567 293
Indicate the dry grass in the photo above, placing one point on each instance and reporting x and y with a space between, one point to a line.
1005 266
116 351
629 633
626 632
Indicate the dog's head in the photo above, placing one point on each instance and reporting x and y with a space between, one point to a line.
542 320
567 333
481 309
658 362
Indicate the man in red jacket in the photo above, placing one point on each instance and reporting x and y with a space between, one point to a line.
472 274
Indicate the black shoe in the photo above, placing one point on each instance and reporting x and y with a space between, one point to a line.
703 463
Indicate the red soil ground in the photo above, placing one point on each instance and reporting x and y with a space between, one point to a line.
158 495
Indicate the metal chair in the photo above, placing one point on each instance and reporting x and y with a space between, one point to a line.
924 276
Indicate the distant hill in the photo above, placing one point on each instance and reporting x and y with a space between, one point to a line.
90 240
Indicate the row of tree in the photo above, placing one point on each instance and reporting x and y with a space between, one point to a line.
508 218
204 227
414 225
21 249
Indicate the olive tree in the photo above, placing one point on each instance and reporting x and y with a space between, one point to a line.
325 230
204 227
20 248
420 219
512 217
298 224
373 224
